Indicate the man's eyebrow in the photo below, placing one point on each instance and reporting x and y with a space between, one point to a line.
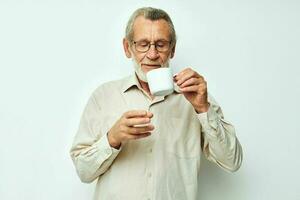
146 40
142 40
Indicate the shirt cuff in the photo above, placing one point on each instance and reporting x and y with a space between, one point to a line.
107 149
208 120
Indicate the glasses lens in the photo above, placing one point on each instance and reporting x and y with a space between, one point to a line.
142 46
162 46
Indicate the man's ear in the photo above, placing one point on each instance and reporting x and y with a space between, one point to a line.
126 47
173 51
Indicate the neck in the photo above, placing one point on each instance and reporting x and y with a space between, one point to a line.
145 87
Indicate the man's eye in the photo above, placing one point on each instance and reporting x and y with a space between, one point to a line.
143 44
160 44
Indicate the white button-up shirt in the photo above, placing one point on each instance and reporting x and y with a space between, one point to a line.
162 166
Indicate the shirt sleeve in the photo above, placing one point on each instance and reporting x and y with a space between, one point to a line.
91 152
219 142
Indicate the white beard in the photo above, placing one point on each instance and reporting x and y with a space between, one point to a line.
140 73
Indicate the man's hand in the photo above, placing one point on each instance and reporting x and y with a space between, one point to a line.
194 88
132 125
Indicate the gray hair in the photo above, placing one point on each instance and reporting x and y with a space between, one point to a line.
152 14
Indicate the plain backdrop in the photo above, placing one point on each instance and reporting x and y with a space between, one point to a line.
53 54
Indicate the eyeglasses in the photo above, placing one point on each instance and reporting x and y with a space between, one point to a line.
144 46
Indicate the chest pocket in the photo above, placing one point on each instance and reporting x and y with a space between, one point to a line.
181 137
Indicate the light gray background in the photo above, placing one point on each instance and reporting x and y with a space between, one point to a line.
53 54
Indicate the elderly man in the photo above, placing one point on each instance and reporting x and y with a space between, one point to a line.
160 160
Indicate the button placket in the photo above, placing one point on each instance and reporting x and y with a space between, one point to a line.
149 171
150 156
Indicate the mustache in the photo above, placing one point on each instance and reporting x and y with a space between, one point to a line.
166 64
151 64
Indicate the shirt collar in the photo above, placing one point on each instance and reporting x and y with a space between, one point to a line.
129 82
132 81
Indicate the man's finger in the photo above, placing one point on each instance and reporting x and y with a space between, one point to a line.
183 72
136 113
137 121
191 81
184 77
140 130
193 88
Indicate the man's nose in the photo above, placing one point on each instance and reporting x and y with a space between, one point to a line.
152 53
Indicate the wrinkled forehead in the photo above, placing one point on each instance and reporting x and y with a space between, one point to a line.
146 29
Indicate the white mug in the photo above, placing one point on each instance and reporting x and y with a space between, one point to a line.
160 81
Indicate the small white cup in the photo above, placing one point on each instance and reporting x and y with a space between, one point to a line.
160 81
